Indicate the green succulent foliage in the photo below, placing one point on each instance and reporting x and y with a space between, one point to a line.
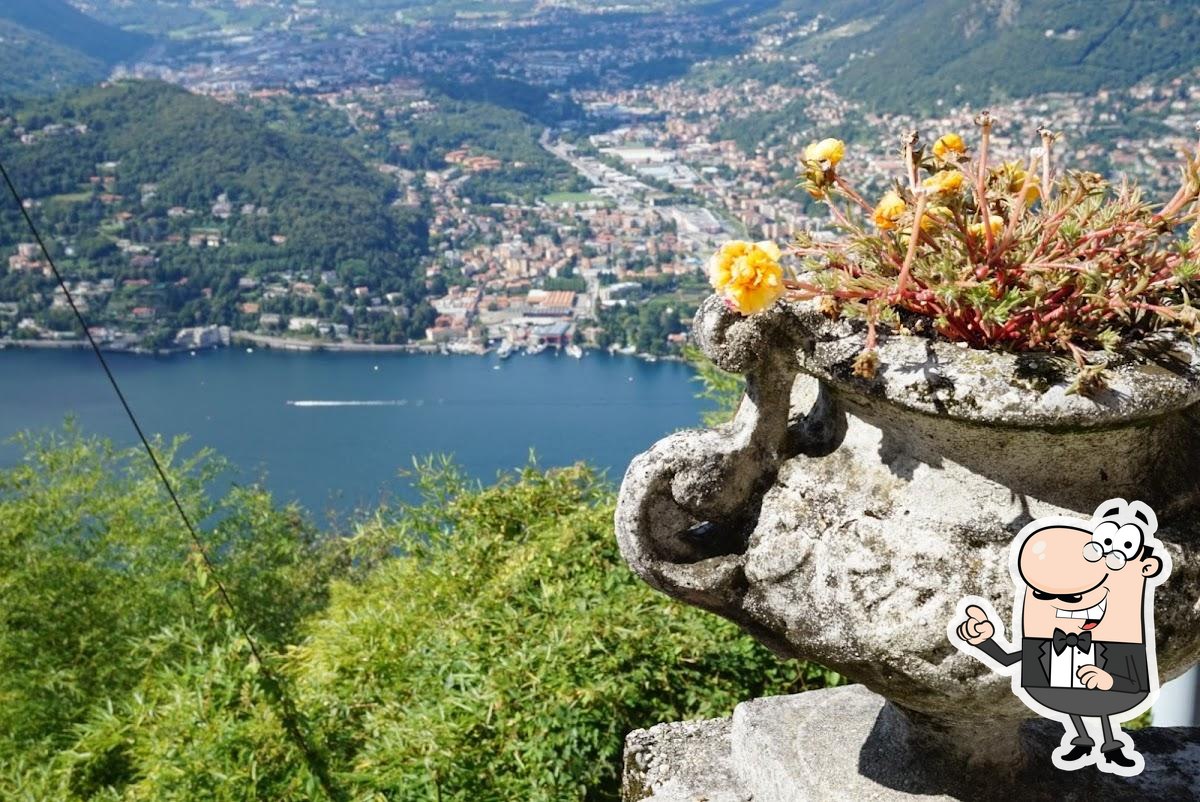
486 643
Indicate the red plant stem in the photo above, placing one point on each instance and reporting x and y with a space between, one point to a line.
981 185
1050 230
902 281
851 193
837 214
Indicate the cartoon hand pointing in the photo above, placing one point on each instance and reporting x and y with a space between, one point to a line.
1093 677
977 628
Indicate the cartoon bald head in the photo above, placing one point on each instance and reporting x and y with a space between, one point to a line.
1090 578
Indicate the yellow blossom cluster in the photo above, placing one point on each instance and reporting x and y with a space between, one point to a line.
747 275
890 209
944 182
820 161
948 146
827 150
995 223
1012 178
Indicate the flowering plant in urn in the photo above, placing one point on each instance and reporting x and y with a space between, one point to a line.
1008 255
983 343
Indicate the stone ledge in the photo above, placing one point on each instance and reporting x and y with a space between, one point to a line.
684 761
1145 379
846 743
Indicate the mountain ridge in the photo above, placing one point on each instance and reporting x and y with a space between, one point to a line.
49 45
919 53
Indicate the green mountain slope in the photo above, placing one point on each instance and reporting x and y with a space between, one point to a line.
47 45
151 170
32 63
910 53
64 24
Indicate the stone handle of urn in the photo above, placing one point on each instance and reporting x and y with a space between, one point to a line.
688 504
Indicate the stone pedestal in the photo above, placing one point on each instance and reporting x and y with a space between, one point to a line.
840 519
849 743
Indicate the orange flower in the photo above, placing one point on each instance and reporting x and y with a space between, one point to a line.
827 150
944 182
947 144
995 222
889 210
747 274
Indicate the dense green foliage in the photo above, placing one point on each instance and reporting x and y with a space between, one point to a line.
527 170
32 63
483 644
100 595
166 148
909 55
69 27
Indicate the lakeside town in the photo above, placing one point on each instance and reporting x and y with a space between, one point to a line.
665 177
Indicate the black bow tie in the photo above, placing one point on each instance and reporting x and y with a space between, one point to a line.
1062 640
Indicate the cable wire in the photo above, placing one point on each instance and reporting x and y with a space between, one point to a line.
289 716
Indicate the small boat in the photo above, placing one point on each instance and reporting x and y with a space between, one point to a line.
574 351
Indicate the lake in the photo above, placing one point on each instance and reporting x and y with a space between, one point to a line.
331 430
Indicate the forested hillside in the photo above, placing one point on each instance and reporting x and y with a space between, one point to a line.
32 63
129 175
47 45
896 54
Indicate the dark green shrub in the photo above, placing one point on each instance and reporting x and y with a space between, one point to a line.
483 644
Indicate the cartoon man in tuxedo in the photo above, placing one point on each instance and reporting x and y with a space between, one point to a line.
1084 629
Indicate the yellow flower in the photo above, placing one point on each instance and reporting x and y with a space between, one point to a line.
1014 179
935 216
947 144
995 222
720 267
827 150
889 210
944 182
748 275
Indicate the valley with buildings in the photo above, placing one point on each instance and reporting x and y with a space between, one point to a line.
563 182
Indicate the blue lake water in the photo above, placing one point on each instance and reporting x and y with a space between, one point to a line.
376 412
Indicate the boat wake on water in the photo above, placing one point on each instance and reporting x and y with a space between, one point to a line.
381 403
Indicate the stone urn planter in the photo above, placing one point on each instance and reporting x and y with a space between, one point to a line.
840 519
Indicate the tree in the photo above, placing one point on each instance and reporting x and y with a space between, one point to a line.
479 644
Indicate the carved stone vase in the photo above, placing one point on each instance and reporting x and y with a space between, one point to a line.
840 519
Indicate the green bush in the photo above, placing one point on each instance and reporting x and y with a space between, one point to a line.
482 644
508 652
